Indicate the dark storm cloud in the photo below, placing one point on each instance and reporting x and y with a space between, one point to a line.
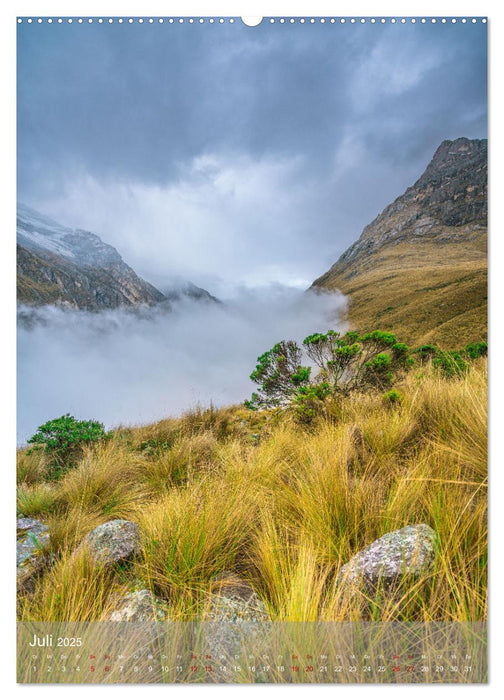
336 120
135 101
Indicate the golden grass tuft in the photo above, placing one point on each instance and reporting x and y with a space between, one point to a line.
74 589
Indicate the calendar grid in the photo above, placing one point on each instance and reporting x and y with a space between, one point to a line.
320 652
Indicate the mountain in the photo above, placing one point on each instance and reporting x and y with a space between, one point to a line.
420 268
180 289
75 268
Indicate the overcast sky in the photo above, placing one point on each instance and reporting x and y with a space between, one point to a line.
234 155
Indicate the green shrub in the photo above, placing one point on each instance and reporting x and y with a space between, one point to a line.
346 363
63 438
475 350
392 397
309 401
401 355
451 363
426 352
379 340
378 371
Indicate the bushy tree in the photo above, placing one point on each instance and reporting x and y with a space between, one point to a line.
279 374
354 361
345 363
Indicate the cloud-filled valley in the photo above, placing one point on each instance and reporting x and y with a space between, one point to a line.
123 367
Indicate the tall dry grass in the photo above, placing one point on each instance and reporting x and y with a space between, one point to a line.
283 506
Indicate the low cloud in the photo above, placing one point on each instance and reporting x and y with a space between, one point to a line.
229 218
124 368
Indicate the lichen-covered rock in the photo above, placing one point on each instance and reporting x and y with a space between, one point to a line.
238 617
390 559
113 542
32 539
234 599
139 606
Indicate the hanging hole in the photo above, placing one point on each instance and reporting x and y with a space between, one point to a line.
252 21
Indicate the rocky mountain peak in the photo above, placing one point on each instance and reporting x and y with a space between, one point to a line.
451 157
448 200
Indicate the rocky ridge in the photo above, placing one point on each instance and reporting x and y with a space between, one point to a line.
181 289
73 268
449 200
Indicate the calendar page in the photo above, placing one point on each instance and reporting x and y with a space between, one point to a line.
252 349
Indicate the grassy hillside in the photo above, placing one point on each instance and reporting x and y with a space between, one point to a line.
283 506
425 292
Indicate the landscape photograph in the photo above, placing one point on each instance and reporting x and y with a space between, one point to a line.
252 347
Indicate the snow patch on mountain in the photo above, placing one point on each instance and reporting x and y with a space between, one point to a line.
38 232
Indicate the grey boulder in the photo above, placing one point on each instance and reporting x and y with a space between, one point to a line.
405 553
233 599
237 616
139 606
32 540
113 542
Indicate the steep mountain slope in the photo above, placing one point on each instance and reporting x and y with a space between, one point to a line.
420 268
75 268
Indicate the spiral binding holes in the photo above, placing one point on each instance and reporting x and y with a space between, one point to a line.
250 22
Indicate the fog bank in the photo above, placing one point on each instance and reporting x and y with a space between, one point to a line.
124 368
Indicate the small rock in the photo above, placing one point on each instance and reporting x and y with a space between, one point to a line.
237 614
113 542
139 606
32 539
234 599
23 524
398 554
